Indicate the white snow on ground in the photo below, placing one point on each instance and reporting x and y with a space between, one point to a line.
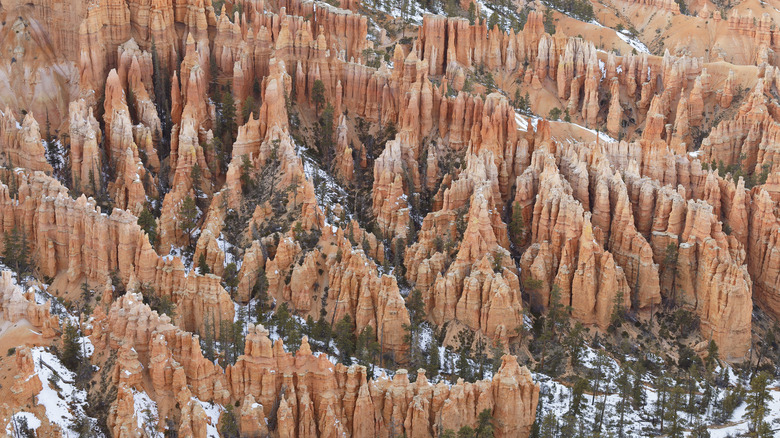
146 414
33 423
226 247
637 45
59 396
603 136
523 121
739 424
213 411
327 191
556 398
42 296
625 36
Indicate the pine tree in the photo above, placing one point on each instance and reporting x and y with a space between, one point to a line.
472 13
196 176
549 425
52 150
147 223
71 347
203 267
230 277
226 122
549 22
712 357
162 89
757 399
260 291
207 340
623 383
554 322
367 348
188 216
228 424
416 308
577 396
324 134
575 342
618 315
345 339
662 385
466 432
16 252
493 20
318 95
248 108
465 341
322 331
674 427
484 425
287 327
670 265
433 364
517 225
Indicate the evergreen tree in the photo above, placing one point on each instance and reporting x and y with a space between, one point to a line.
318 95
575 342
472 13
484 425
345 339
147 223
260 292
367 348
623 383
226 121
416 308
71 347
466 432
662 386
247 168
324 134
465 341
188 217
549 425
549 21
16 252
712 357
674 428
203 267
618 315
287 327
196 176
230 277
497 353
207 338
517 224
228 423
52 149
162 89
757 399
493 20
248 108
433 364
321 329
670 264
554 323
577 396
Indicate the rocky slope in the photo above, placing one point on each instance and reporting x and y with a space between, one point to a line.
232 203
